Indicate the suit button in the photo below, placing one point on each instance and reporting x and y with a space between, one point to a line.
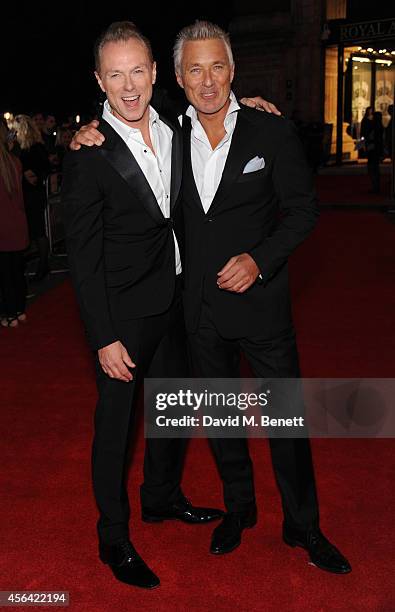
209 220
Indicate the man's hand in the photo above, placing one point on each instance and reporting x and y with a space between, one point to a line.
87 135
260 104
238 274
113 359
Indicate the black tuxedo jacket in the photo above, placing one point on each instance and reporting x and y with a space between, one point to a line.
120 246
266 213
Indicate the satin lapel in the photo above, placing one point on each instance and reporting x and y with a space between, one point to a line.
241 148
189 184
176 162
116 152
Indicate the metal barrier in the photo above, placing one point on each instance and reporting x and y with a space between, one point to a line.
53 220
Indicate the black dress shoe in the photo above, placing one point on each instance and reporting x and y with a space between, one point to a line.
322 553
227 536
183 511
127 565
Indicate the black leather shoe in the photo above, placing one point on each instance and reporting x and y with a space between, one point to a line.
183 511
227 536
127 565
322 553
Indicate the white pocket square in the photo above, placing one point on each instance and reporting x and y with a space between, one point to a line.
257 163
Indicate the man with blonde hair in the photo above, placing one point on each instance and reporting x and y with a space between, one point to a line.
121 217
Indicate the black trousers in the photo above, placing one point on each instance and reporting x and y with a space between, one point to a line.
216 357
157 345
12 282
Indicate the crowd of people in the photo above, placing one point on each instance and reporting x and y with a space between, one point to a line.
31 148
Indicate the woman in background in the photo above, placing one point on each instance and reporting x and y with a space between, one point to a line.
13 235
36 168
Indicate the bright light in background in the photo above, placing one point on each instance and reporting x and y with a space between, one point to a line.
8 118
361 59
77 119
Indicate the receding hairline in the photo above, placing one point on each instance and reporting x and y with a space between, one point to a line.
125 41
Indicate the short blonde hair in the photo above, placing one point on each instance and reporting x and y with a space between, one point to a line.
120 31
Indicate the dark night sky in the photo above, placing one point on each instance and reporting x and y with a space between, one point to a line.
46 48
46 59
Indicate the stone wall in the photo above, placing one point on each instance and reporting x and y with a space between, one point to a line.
279 56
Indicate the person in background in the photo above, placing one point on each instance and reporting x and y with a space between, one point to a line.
375 149
64 137
388 134
36 167
13 235
38 120
367 122
48 133
372 134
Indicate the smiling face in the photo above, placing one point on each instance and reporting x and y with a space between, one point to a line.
126 75
206 75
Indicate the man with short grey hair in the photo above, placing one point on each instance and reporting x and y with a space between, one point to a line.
241 169
200 30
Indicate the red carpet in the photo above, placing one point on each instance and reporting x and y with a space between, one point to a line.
343 279
352 189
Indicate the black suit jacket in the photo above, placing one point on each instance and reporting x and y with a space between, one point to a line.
120 246
266 213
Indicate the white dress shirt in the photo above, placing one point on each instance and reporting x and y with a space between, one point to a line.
156 168
208 164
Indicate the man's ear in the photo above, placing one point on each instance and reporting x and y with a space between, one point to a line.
179 80
153 73
98 79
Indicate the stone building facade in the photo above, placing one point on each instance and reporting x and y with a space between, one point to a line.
278 52
320 61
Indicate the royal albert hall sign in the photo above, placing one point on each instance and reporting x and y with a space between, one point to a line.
365 30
